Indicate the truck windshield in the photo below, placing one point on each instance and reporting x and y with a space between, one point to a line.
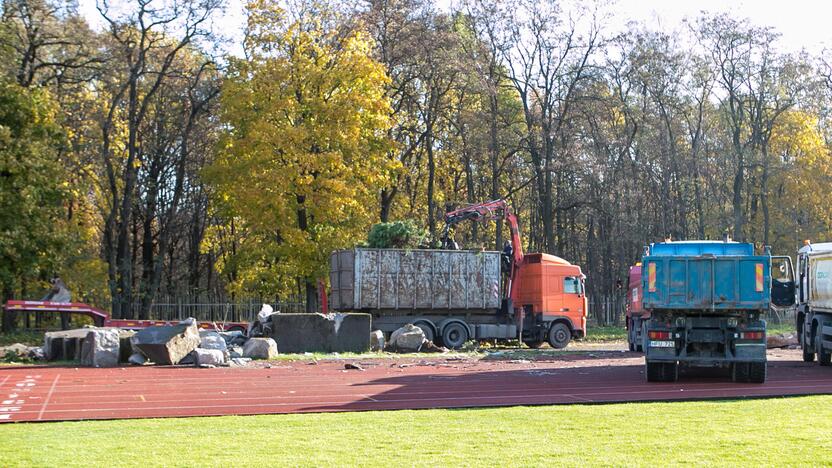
572 285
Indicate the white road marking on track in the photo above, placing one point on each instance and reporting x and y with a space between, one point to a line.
48 396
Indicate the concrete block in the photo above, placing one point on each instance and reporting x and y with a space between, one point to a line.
167 344
64 345
302 333
100 348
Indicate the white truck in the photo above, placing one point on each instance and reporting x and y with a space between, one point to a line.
814 302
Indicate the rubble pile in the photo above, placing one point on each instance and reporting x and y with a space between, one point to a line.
411 339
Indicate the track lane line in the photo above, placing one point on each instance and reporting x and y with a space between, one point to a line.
48 396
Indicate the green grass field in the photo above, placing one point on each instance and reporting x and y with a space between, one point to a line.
773 432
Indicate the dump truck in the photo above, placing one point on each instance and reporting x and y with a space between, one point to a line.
707 302
636 315
814 302
460 295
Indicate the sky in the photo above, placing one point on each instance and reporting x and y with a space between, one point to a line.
804 24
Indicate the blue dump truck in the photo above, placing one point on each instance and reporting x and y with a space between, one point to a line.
706 301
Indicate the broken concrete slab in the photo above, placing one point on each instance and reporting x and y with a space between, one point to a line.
125 347
17 351
781 340
377 340
408 339
137 359
167 344
340 333
100 348
235 352
211 340
260 348
209 357
234 338
64 345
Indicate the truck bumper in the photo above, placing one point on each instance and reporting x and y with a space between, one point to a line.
706 342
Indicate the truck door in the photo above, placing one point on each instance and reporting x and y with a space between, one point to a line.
782 281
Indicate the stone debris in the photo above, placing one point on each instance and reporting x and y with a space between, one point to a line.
167 344
137 359
212 340
209 357
235 351
20 351
411 339
260 348
407 339
234 338
377 340
100 348
239 362
353 366
781 340
64 345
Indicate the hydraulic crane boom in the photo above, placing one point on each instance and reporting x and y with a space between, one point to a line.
488 211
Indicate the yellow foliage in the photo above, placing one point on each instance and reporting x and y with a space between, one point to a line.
307 119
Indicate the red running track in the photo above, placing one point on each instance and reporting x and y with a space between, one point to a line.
65 393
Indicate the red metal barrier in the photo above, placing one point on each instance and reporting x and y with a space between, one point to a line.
101 318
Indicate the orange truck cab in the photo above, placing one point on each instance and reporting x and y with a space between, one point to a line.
550 292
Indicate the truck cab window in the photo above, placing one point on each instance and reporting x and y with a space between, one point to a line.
572 285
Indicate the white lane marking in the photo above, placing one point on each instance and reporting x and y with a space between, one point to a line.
48 396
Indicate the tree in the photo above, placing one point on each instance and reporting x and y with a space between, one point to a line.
32 190
304 158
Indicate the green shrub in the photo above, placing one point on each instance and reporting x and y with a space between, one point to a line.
398 235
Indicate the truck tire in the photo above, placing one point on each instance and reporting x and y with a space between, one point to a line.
454 335
662 371
740 372
559 335
757 372
824 355
534 344
654 371
641 346
427 329
671 371
807 355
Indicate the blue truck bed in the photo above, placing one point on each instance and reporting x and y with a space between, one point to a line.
706 277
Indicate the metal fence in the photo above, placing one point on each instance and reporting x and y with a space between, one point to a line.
215 309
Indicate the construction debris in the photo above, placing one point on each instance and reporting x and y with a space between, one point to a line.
64 345
167 344
212 340
209 357
260 348
341 333
100 348
377 340
407 339
20 351
353 366
782 340
137 359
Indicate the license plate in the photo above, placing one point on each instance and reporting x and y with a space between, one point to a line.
662 344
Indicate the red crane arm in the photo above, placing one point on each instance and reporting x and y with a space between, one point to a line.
488 211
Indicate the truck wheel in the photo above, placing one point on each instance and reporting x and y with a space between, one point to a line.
807 356
454 335
671 371
824 356
427 329
757 372
655 371
641 346
740 372
559 335
534 344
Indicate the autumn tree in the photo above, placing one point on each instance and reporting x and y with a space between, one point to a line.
304 158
